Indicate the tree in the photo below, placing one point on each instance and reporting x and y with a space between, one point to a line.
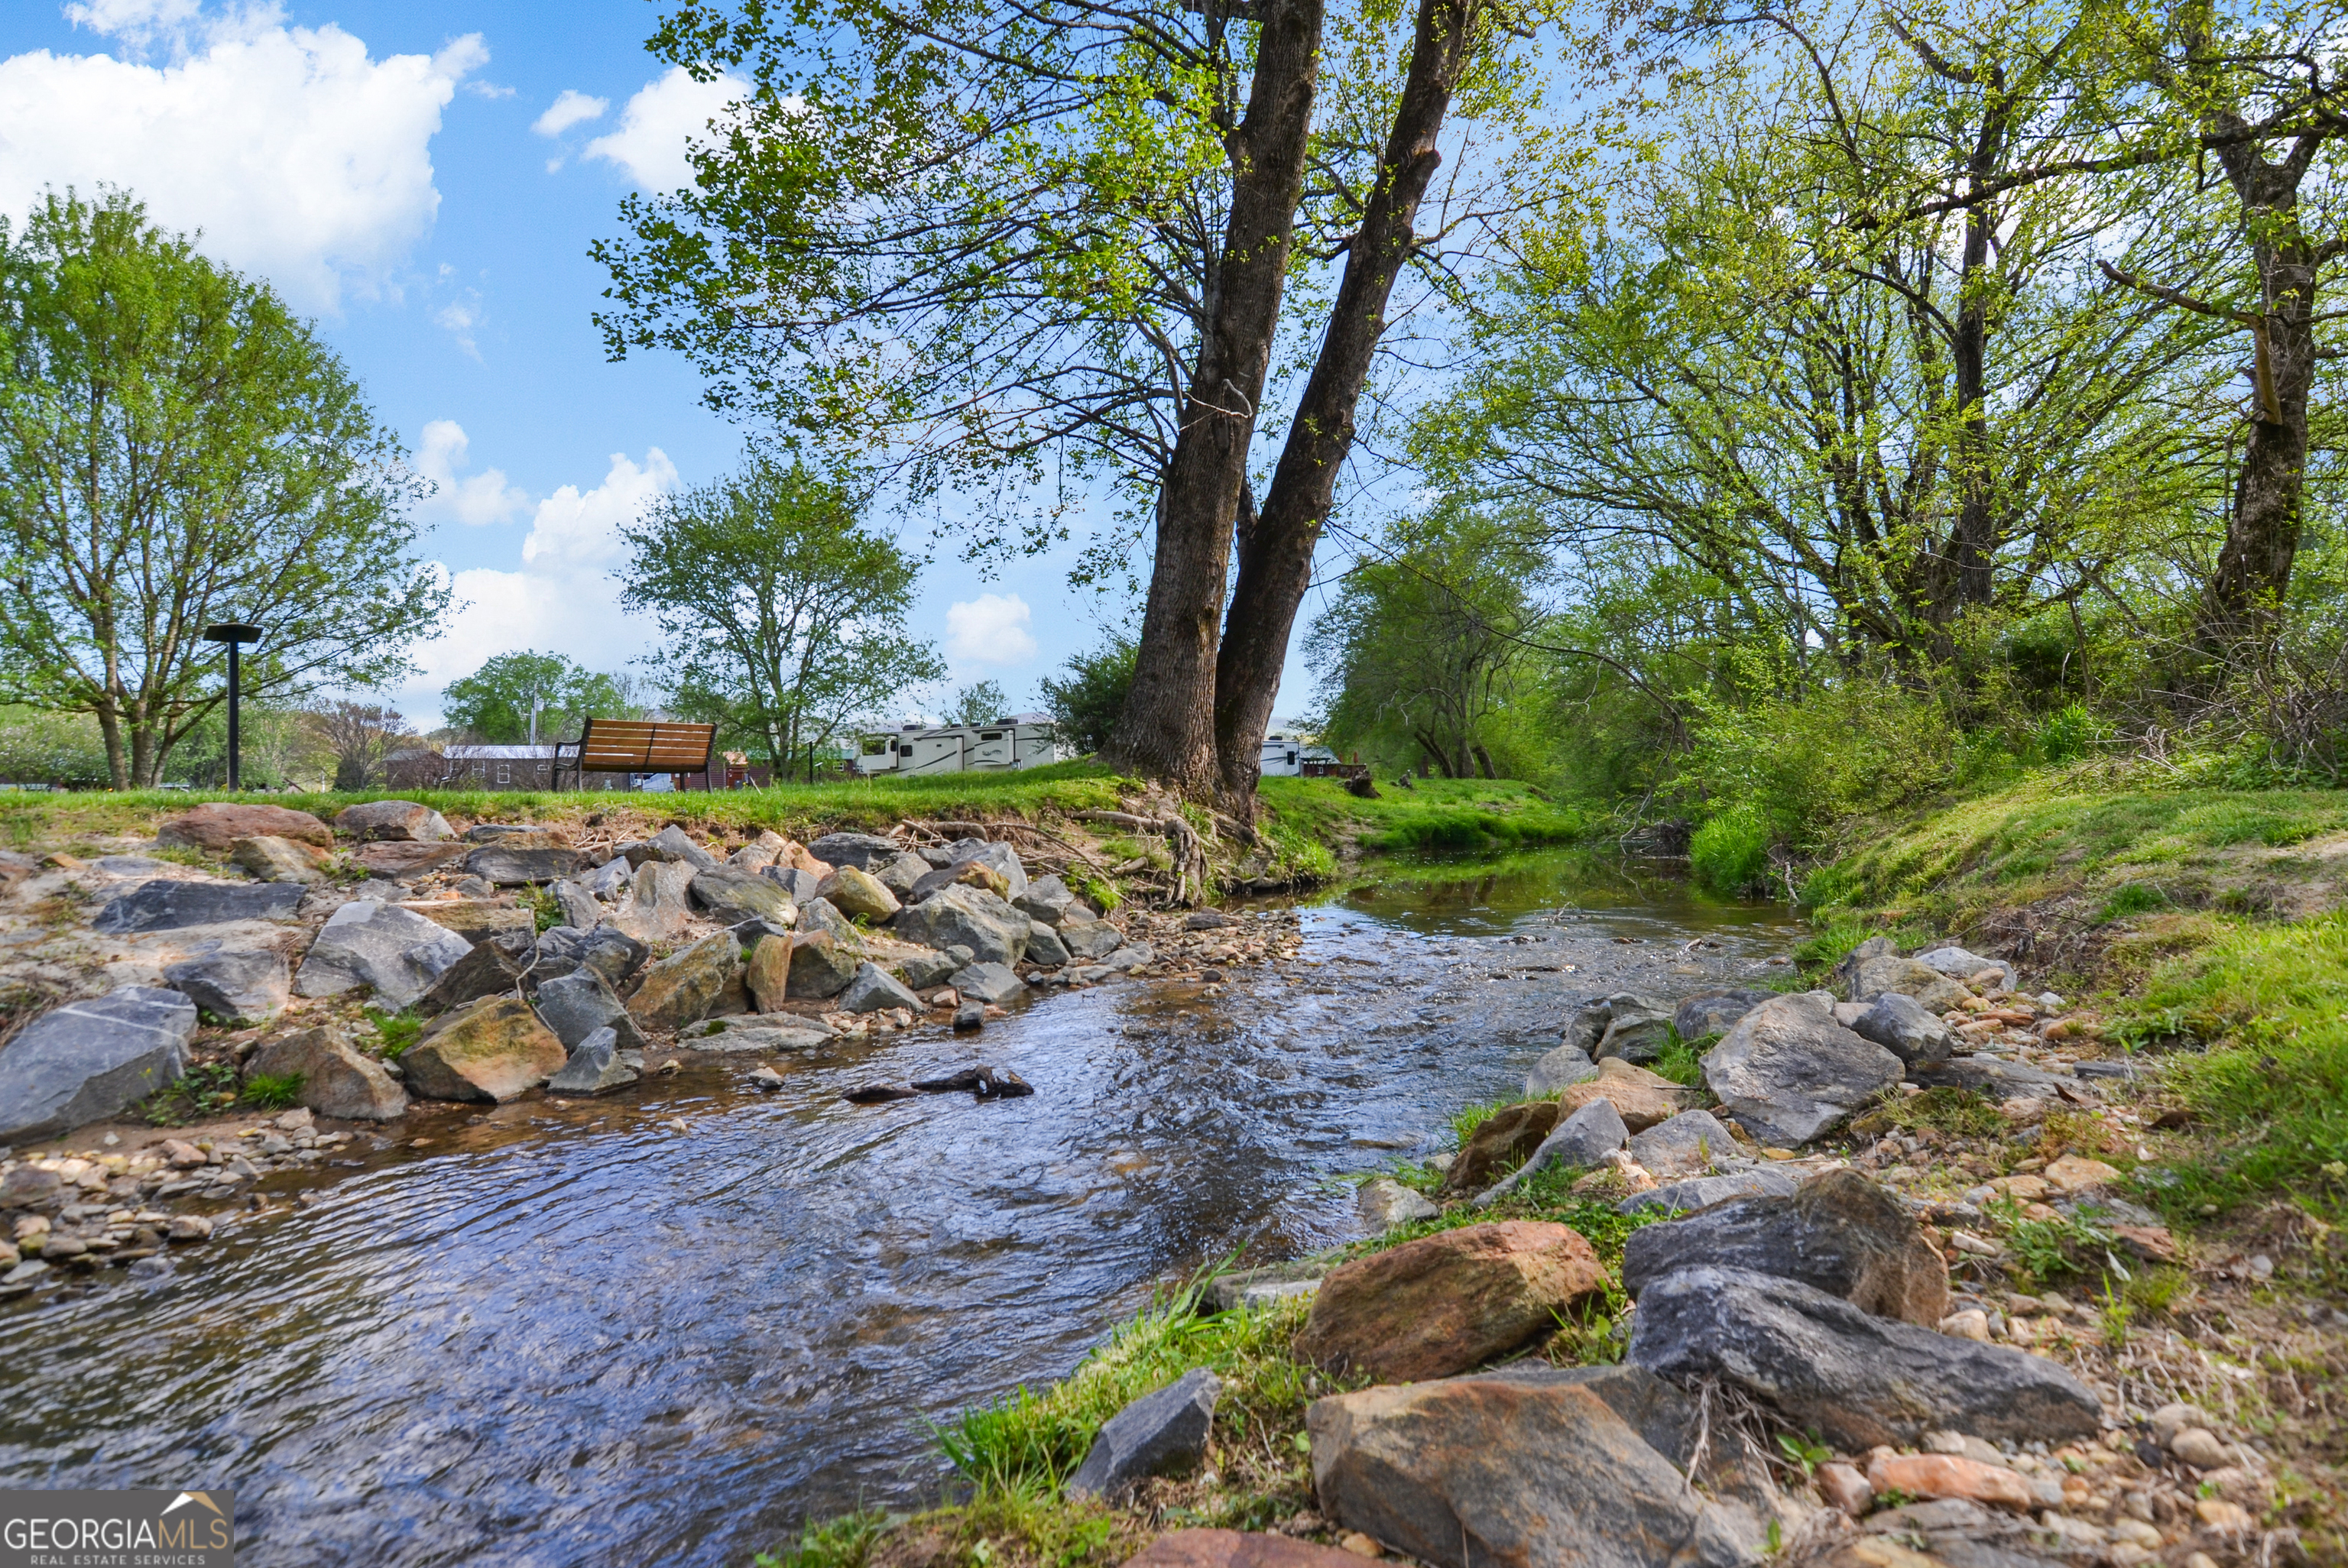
360 734
784 614
982 704
515 695
1085 704
177 448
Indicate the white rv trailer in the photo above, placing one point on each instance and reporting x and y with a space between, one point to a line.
1286 750
1021 741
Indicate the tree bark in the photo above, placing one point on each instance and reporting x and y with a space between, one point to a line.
1277 568
1974 548
1167 728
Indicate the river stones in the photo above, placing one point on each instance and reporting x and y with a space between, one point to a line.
658 904
684 987
1583 1138
862 850
1162 1431
217 824
875 989
91 1059
498 964
594 1067
508 865
395 951
857 895
731 894
251 985
1503 1139
1447 1302
395 821
493 1048
171 905
973 918
1789 1073
273 859
336 1080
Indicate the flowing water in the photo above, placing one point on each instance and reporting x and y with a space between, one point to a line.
569 1334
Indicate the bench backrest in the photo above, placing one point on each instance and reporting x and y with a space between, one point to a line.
642 746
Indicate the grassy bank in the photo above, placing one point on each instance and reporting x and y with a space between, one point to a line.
2209 927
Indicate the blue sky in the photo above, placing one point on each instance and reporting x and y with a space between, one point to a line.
425 178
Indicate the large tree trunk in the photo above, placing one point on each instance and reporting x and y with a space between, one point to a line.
1975 544
2254 565
1277 567
1167 728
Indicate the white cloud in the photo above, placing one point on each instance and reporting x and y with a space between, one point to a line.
563 599
658 122
478 498
459 318
990 630
567 110
298 156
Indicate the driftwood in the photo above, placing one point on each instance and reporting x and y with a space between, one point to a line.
1189 851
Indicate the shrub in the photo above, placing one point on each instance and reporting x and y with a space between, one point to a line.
1730 854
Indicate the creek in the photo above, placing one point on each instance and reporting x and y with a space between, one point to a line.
569 1334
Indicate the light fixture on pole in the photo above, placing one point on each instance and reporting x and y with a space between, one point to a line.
232 632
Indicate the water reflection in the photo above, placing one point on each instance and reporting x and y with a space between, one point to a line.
568 1333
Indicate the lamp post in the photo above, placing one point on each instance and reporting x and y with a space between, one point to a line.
232 632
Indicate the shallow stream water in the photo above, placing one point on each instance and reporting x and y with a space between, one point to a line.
569 1333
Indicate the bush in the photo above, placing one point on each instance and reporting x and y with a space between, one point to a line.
1800 765
1730 854
1085 704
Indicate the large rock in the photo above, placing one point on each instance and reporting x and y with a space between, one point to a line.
1888 973
170 906
391 950
87 1059
1960 965
1236 1549
1559 1068
658 905
996 856
1584 1138
731 895
800 885
1087 941
822 965
1503 1138
217 826
1449 1301
1986 1075
1157 1433
610 880
1526 1473
1827 1365
923 967
986 982
1839 1232
398 820
875 989
404 862
336 1080
248 987
1690 1144
1642 1097
611 953
967 874
970 917
862 850
594 1068
476 919
1046 900
673 846
494 1049
766 972
500 965
857 895
1715 1012
277 859
1638 1027
576 1005
1383 1203
1899 1024
682 987
1789 1073
1044 947
508 867
899 874
1689 1193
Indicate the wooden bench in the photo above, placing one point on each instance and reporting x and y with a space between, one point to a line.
637 746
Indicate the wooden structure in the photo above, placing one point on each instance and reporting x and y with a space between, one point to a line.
638 746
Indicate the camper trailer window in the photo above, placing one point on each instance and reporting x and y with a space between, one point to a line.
878 745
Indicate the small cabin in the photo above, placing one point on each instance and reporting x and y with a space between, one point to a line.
1021 741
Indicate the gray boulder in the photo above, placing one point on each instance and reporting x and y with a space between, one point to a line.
89 1059
556 952
1886 972
1825 1364
730 894
1690 1144
1988 1076
986 982
968 916
996 856
1839 1233
1046 900
1383 1203
248 987
610 881
1535 1470
1789 1073
395 951
1847 968
875 989
899 874
820 915
509 867
1587 1026
658 904
822 965
799 885
1044 947
862 850
170 906
1090 940
577 1005
928 968
674 844
1638 1027
1560 1069
1960 965
498 964
1695 1193
613 953
1584 1138
1156 1433
1900 1025
578 907
594 1067
336 1080
1715 1012
393 820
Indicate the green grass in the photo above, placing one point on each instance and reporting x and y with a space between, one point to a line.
273 1091
1433 816
396 1031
